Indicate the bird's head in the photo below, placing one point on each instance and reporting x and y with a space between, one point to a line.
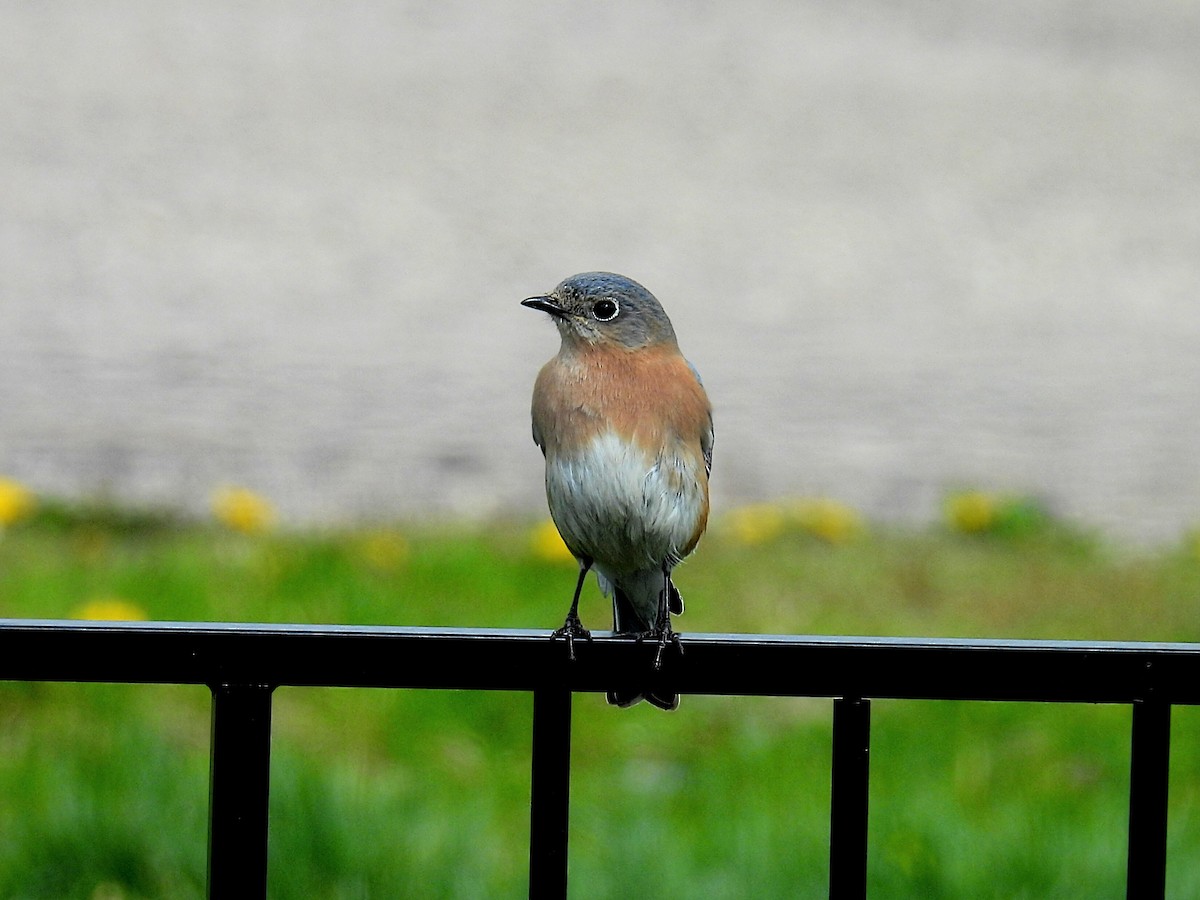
604 308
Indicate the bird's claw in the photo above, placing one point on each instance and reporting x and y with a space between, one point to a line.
572 628
668 636
663 635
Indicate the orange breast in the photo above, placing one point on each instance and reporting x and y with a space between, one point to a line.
649 396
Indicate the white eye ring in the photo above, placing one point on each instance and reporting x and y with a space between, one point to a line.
606 310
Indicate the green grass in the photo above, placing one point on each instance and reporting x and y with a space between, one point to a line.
405 793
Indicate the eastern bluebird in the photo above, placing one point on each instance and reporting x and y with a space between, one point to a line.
627 433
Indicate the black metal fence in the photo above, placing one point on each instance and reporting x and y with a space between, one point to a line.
243 664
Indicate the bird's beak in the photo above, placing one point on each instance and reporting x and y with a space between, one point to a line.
546 305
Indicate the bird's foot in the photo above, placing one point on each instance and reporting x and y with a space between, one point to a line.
663 635
572 628
666 636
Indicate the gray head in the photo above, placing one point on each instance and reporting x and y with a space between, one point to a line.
604 308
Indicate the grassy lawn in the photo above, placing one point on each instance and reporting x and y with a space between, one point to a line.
394 793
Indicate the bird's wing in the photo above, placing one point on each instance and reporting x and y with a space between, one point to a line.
706 444
536 411
706 439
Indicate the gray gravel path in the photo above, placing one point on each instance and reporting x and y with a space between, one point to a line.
909 245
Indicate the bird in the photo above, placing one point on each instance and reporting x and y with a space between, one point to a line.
626 429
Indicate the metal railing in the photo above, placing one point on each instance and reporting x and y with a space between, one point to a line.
243 664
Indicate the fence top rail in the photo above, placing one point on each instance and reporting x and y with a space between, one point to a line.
521 660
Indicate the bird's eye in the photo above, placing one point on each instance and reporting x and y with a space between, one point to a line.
605 310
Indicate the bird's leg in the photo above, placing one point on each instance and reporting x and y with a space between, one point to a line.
662 627
573 627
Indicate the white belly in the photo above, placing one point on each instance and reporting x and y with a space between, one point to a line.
625 511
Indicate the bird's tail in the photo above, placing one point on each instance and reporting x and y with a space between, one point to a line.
662 699
628 620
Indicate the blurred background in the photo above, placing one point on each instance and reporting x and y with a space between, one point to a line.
262 261
910 245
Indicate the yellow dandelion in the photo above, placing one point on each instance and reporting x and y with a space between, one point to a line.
109 609
384 550
241 509
17 502
756 523
972 512
547 544
830 520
